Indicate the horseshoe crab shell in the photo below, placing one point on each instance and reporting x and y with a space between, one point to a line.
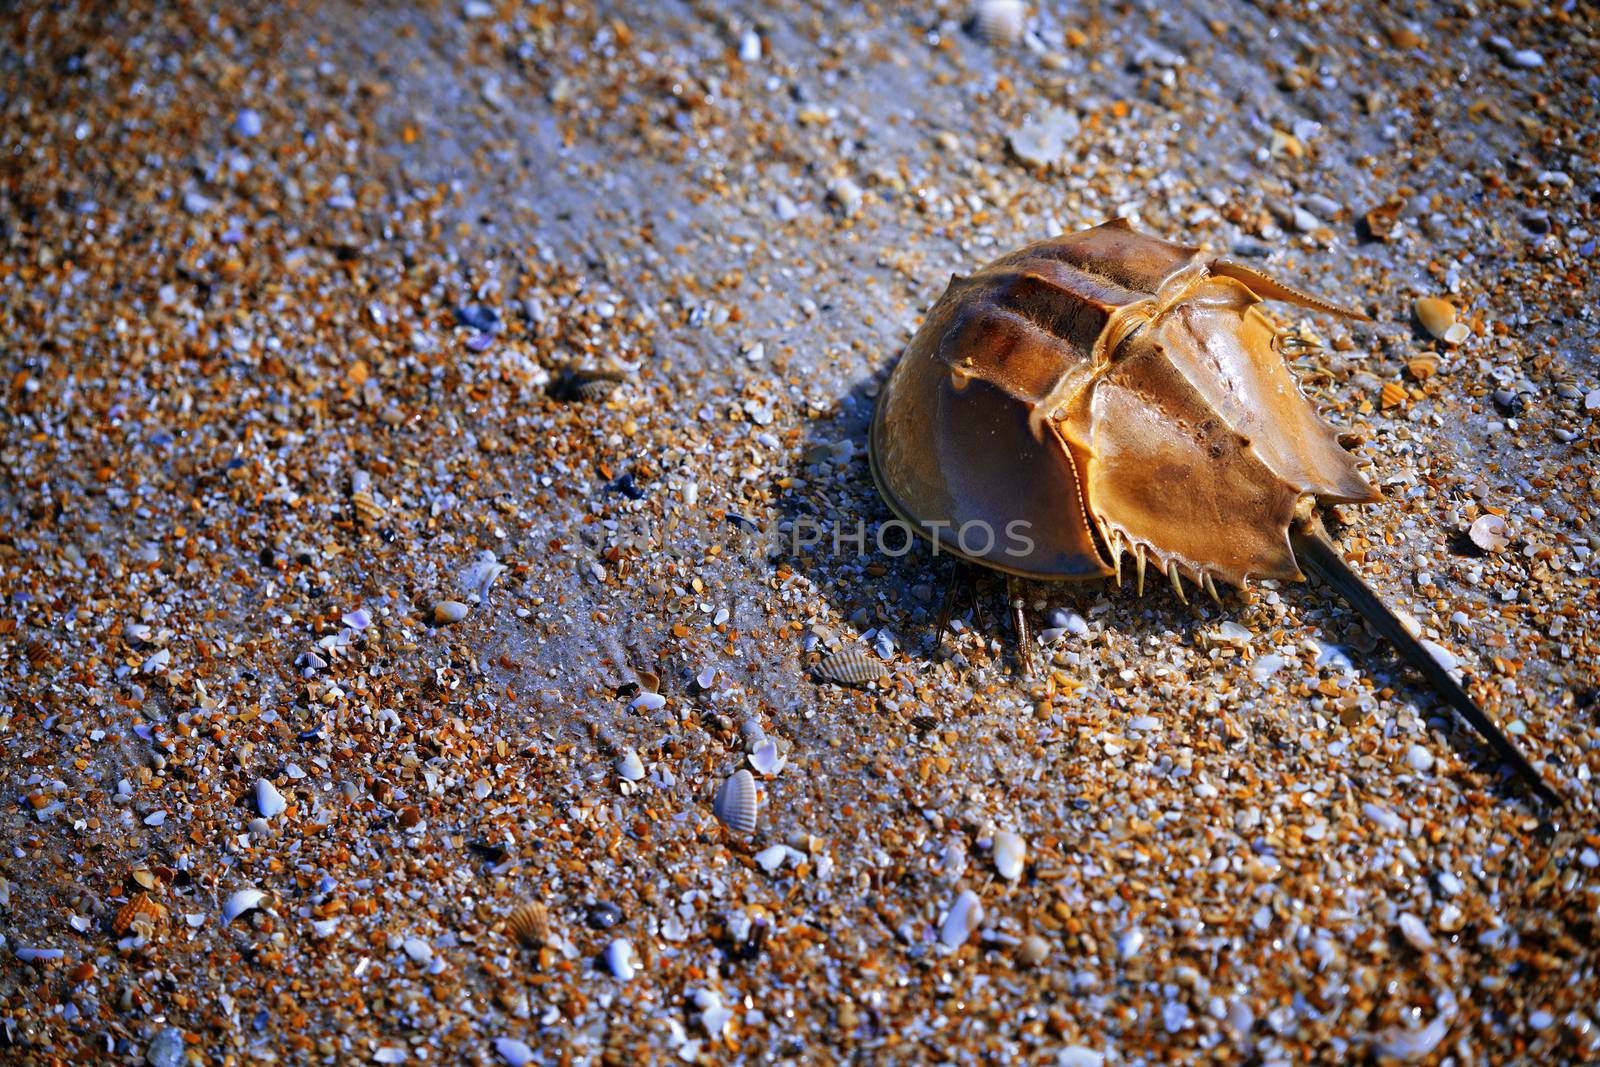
1102 391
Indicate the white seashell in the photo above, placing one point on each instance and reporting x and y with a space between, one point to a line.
771 859
1129 944
241 901
1419 759
513 1051
648 702
1078 1056
965 915
1410 1045
269 801
481 574
1229 633
630 766
1490 533
1415 931
417 949
998 21
449 611
620 959
736 801
714 1015
766 760
358 619
1010 852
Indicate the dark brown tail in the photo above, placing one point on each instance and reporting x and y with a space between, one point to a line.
1315 551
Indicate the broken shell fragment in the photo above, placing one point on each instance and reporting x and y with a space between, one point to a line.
1490 533
269 801
1436 315
736 803
530 924
851 667
965 915
1010 853
142 915
241 901
766 760
630 767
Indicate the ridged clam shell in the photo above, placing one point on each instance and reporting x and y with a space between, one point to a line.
142 914
997 21
851 667
736 802
530 924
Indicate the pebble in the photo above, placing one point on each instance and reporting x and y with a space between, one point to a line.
1415 931
847 196
964 917
269 801
1419 759
446 612
603 915
620 960
1034 950
247 123
1264 667
166 1049
1010 854
1129 943
514 1052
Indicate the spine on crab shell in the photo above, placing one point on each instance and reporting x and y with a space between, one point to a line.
1315 551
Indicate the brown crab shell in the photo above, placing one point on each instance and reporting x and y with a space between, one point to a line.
1101 391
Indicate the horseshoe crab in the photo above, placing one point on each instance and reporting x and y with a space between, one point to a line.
1108 393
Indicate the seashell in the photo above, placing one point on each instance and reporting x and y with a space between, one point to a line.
772 858
367 510
766 760
1423 367
649 681
1010 853
735 803
1490 533
965 916
588 383
650 701
630 767
241 901
269 801
449 611
530 924
143 915
1392 395
1456 334
1436 315
851 667
620 959
997 22
481 573
591 389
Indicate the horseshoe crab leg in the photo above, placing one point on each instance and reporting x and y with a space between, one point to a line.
1019 618
1315 551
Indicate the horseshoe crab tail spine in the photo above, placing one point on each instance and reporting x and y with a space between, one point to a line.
1314 550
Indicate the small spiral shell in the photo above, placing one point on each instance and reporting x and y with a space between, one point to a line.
142 915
